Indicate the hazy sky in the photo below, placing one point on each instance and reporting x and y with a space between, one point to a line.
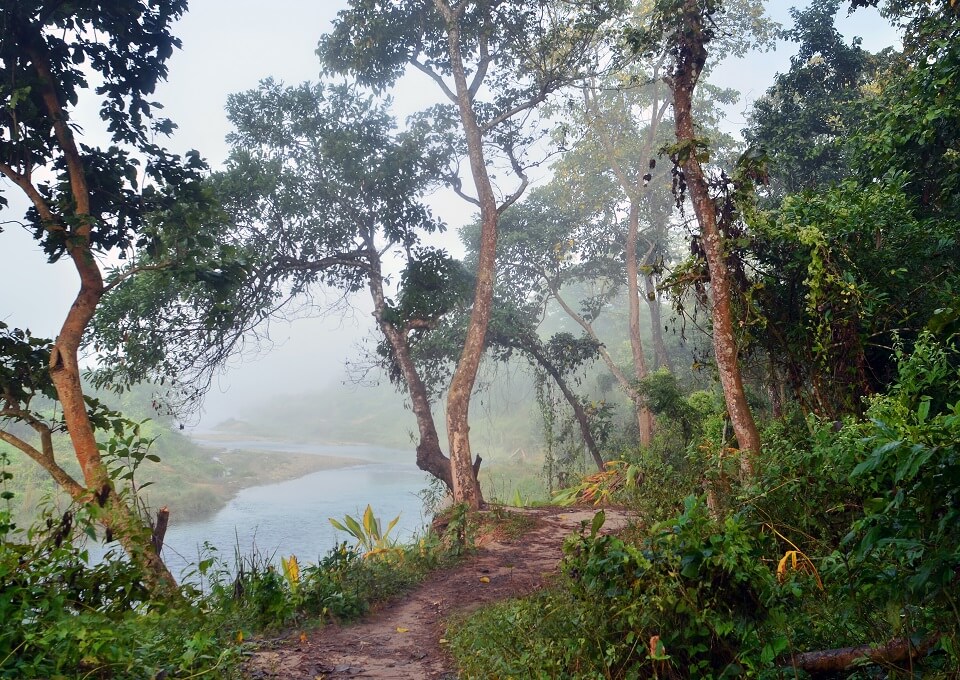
229 47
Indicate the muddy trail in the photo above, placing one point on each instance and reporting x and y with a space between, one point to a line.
401 640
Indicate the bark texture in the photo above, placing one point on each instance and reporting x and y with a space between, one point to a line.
644 416
895 651
466 489
689 65
64 368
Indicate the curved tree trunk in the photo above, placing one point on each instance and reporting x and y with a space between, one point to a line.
684 80
430 457
64 367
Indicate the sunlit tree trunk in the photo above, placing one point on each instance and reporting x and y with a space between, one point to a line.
64 367
688 68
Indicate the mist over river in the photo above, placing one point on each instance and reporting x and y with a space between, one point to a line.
291 517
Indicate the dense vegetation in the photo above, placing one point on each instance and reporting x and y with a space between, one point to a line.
791 449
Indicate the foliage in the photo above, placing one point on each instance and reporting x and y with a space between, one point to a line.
802 121
842 267
689 599
65 618
847 536
904 547
307 157
370 538
73 619
601 487
856 257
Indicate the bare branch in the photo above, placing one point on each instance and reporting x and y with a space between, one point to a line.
531 103
437 78
524 181
457 185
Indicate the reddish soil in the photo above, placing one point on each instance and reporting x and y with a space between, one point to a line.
402 639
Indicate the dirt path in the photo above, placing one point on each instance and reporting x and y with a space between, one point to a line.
402 640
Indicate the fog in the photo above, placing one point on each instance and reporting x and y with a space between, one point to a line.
226 52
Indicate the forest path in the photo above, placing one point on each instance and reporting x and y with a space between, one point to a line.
376 648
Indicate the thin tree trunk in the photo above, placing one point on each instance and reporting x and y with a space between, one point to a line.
620 376
725 347
644 416
578 411
661 358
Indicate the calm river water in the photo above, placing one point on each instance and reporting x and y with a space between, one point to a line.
291 518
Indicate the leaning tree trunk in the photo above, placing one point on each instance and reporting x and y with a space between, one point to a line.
618 374
690 64
114 514
579 412
430 457
64 367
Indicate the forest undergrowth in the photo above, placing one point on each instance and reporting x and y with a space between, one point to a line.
848 537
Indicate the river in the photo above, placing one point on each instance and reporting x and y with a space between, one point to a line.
291 518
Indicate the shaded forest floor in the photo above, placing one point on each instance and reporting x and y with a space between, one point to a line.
404 638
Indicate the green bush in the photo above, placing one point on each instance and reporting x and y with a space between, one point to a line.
63 618
693 600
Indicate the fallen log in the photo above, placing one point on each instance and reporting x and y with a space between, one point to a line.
897 650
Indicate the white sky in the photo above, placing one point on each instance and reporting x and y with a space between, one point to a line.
229 47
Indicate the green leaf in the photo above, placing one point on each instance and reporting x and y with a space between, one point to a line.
598 521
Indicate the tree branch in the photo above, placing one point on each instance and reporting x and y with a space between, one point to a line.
46 461
352 259
482 66
457 185
519 108
420 66
27 187
524 181
123 276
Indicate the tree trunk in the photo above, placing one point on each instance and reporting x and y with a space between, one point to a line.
684 80
466 489
64 368
578 411
661 358
620 376
895 651
430 457
644 416
116 516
